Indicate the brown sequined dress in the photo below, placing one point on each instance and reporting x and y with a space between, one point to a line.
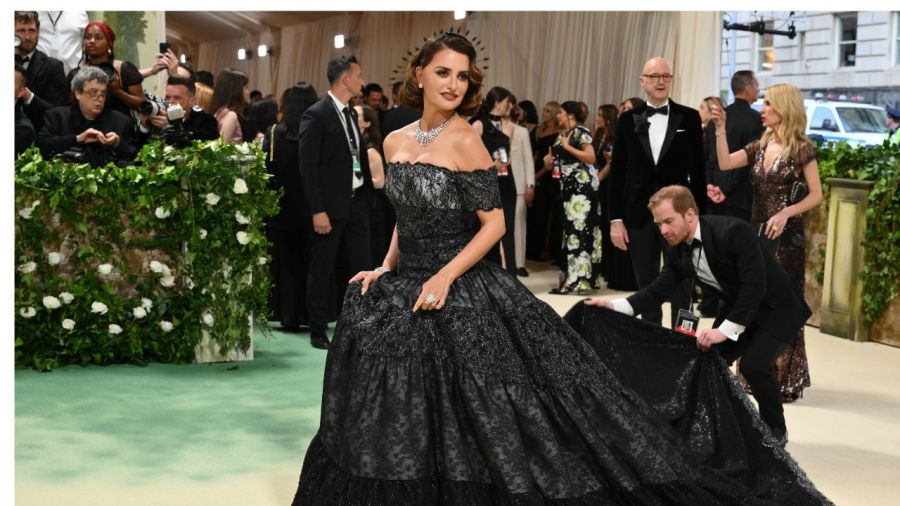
771 191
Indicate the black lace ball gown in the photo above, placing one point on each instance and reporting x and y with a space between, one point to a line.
496 400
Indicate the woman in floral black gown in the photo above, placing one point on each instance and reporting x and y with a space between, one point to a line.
448 382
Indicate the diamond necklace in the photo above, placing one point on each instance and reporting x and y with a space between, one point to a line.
425 138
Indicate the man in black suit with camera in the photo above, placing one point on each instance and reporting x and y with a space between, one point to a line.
657 144
730 190
762 308
337 184
45 77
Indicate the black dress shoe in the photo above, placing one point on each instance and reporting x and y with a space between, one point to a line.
522 272
320 342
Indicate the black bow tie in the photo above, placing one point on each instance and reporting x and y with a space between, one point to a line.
23 60
689 247
664 110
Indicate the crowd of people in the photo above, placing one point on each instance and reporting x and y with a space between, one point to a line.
572 194
558 191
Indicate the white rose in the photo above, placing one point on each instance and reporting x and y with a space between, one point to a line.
104 269
243 237
99 307
166 326
189 283
243 149
262 260
146 304
115 329
68 324
162 213
203 233
26 213
27 312
240 186
51 302
27 267
66 297
243 220
139 312
212 199
156 266
54 258
167 281
168 150
208 319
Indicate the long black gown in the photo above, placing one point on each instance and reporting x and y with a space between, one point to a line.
496 400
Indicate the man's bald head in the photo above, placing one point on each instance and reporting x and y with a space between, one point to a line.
656 79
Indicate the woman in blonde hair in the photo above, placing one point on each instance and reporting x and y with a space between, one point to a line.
785 177
204 96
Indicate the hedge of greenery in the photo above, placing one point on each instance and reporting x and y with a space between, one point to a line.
132 264
881 165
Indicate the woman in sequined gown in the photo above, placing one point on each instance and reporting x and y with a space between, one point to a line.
782 163
448 383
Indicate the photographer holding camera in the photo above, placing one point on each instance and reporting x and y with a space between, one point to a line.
176 127
87 131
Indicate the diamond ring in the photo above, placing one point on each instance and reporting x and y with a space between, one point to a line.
431 299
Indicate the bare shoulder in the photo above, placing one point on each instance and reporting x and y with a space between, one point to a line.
469 152
397 140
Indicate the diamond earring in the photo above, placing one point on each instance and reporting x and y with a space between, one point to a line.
421 85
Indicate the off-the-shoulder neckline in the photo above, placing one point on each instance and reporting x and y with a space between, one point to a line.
427 164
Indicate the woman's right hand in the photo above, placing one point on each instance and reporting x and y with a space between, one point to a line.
717 115
367 277
548 158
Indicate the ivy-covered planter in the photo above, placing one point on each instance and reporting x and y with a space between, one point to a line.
135 264
881 271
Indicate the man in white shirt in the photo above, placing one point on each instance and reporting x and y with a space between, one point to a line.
62 35
761 311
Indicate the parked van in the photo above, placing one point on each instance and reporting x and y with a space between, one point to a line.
843 120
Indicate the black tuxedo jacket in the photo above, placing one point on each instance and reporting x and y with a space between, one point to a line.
47 80
756 290
326 166
634 177
63 124
743 127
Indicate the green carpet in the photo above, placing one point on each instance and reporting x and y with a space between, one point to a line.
136 425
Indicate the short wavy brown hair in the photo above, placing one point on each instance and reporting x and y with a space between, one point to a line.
412 96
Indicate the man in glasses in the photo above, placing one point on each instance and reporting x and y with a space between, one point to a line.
87 131
657 144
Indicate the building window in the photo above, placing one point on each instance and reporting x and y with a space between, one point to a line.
765 53
846 28
897 38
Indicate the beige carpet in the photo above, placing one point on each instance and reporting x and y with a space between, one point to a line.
845 433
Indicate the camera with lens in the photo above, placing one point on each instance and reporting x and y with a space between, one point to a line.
74 155
152 106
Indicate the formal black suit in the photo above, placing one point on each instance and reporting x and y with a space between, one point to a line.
47 80
63 124
756 293
635 177
743 127
326 171
397 118
201 125
24 131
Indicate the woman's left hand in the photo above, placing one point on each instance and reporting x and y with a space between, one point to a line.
775 225
566 140
434 292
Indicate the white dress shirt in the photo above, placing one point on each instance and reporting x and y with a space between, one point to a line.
357 180
658 125
62 34
729 328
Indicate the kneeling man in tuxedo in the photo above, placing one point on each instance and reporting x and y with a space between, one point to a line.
762 310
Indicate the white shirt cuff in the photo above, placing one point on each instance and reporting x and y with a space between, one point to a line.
615 220
731 330
30 98
623 306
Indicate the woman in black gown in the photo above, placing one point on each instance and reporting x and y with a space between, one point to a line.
448 383
488 125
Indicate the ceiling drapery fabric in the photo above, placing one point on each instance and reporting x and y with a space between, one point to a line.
595 57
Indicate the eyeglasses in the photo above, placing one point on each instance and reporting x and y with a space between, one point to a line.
95 93
659 77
